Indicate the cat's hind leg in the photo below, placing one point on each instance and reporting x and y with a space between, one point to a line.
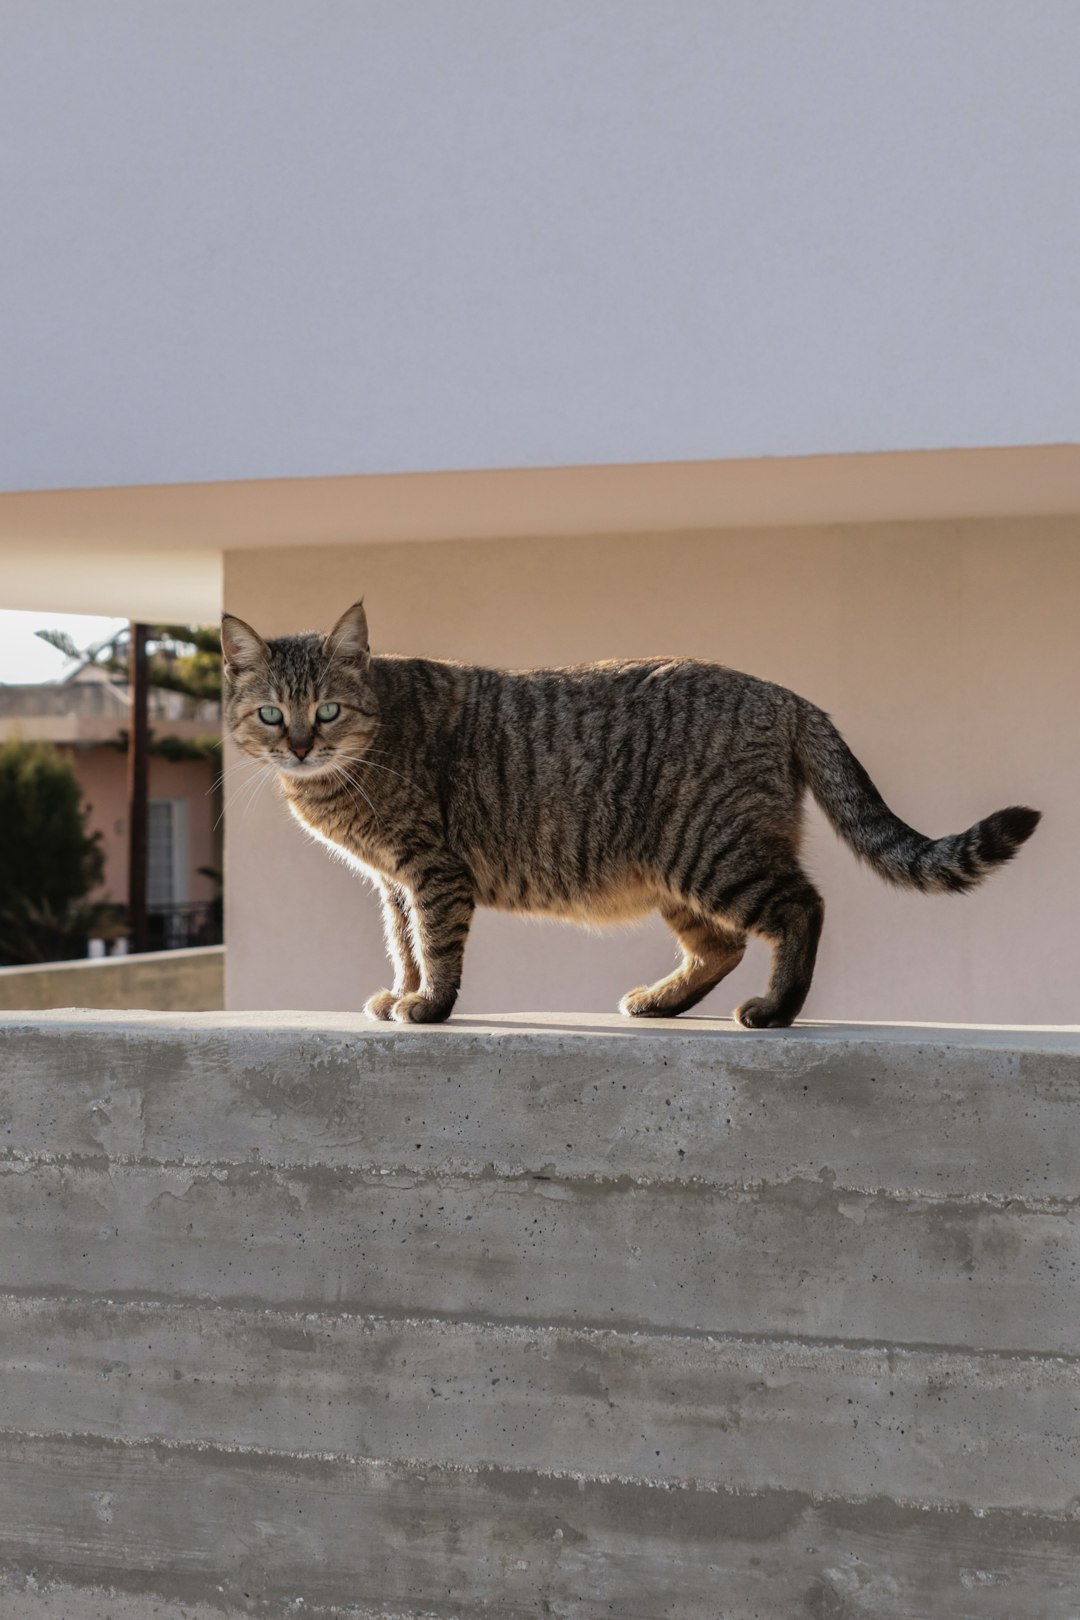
711 949
789 914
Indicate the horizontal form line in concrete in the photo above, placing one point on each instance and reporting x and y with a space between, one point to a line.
798 1258
399 1174
458 1541
31 1595
935 1427
148 1299
16 1441
952 1114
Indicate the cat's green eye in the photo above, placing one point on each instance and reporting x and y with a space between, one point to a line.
270 716
328 711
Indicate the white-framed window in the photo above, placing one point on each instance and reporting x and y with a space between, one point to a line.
167 854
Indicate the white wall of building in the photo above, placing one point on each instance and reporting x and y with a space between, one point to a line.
947 653
281 238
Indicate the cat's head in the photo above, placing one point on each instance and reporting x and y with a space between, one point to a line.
303 704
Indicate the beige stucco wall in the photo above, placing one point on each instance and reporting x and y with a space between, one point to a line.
947 652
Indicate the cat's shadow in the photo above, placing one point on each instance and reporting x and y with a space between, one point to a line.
630 1029
702 1027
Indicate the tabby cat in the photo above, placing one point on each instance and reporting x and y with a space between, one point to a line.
599 793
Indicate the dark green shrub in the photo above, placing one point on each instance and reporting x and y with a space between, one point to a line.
48 860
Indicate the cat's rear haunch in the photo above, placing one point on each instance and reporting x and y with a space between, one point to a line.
598 793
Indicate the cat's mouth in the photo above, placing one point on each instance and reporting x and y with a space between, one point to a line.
317 765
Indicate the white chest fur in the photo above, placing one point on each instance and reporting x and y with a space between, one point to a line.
364 868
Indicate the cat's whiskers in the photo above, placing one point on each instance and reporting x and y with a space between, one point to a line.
362 759
338 778
343 775
235 794
243 795
256 791
230 770
249 790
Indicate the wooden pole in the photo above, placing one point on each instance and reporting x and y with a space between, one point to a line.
138 786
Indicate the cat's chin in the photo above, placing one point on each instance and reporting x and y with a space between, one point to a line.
302 771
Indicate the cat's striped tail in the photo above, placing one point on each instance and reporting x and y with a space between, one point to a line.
896 851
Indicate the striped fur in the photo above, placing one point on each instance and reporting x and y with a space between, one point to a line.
597 793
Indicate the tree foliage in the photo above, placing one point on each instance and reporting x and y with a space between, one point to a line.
180 657
61 641
186 658
174 748
48 860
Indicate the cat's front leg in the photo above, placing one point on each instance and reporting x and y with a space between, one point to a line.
441 908
395 910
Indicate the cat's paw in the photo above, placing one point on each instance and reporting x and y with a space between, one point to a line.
416 1008
758 1013
380 1005
642 1003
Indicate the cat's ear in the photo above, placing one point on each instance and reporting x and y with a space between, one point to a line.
348 640
241 646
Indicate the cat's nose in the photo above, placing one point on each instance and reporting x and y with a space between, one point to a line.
301 750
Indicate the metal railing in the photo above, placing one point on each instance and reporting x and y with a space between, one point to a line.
174 928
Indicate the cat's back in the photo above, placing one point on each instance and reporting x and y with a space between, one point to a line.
601 678
554 702
665 686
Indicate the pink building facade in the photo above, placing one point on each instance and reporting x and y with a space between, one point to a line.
83 719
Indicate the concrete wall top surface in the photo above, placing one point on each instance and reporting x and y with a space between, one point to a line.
270 240
489 1025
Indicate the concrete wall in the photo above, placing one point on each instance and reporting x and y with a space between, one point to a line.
309 1315
947 653
271 240
164 981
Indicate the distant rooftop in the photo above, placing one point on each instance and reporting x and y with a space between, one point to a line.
91 706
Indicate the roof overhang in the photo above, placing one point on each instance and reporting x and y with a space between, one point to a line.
156 551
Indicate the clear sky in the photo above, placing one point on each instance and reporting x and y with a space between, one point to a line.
24 658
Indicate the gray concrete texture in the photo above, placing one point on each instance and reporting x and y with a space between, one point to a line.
552 1318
